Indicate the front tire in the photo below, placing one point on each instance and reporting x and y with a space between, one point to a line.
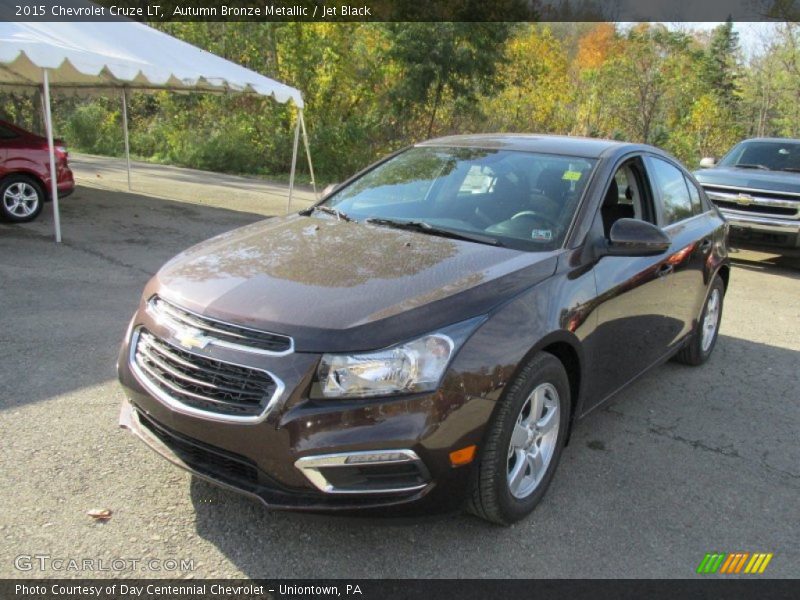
523 444
704 338
21 198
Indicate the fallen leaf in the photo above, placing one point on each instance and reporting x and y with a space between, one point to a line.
101 514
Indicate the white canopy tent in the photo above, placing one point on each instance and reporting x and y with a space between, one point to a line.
126 55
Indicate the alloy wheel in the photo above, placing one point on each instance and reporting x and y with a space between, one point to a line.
711 320
533 441
21 199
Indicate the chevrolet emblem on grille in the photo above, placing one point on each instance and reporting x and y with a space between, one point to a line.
744 199
192 338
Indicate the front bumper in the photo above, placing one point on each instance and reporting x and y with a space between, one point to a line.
65 188
241 475
292 457
764 230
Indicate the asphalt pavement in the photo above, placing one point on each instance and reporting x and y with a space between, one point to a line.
684 462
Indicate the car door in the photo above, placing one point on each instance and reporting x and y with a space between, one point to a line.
637 317
691 230
6 137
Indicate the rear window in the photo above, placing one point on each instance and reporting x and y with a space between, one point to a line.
695 195
7 133
676 203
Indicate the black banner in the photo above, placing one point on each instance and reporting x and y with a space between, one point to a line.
397 589
399 10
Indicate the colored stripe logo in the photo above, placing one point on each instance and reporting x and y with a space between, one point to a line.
734 563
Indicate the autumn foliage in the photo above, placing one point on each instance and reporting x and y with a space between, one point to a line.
371 88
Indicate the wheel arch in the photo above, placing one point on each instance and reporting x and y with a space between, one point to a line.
725 273
565 347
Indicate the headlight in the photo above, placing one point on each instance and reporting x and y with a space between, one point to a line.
415 366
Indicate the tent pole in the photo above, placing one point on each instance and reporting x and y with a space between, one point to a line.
294 165
53 181
125 127
43 116
308 154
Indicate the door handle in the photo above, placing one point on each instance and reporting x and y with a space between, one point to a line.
705 245
665 270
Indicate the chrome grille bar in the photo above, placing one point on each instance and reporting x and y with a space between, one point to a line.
218 333
200 385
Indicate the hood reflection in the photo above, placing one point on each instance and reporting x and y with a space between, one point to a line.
316 252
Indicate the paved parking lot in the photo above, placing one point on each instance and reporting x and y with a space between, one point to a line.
686 461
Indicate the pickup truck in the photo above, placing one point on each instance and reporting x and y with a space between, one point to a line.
756 186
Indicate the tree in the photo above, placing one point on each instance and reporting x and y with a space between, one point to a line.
720 70
770 86
438 58
535 94
370 88
596 46
646 87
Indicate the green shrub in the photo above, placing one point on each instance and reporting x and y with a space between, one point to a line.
94 128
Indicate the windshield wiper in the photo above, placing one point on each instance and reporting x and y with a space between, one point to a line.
791 169
751 166
340 216
423 227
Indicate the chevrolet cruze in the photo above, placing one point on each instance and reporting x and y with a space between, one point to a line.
426 336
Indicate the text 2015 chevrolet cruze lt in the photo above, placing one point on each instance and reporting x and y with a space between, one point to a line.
427 335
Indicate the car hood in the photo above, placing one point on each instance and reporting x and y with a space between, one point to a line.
341 286
774 181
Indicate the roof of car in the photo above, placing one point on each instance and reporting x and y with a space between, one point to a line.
546 144
778 140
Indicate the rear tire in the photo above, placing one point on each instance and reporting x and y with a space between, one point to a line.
704 338
523 444
21 198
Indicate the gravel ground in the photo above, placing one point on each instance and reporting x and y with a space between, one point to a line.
684 462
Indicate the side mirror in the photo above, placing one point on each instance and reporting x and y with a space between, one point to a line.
632 237
708 162
329 189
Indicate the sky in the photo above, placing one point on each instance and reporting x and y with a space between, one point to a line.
752 36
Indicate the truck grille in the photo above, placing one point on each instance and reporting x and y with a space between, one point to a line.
202 383
217 332
760 202
756 208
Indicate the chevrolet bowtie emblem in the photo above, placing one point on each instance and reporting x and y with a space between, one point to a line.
192 338
744 199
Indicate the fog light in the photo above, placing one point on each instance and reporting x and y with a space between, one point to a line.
366 472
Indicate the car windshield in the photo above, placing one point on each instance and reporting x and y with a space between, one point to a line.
507 198
766 155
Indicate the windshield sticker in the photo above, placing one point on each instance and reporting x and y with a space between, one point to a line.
542 235
571 175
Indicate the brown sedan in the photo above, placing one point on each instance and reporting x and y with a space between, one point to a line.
426 336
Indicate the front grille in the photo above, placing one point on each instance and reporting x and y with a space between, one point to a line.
243 338
202 383
761 202
756 208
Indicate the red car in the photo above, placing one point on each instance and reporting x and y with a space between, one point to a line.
25 173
